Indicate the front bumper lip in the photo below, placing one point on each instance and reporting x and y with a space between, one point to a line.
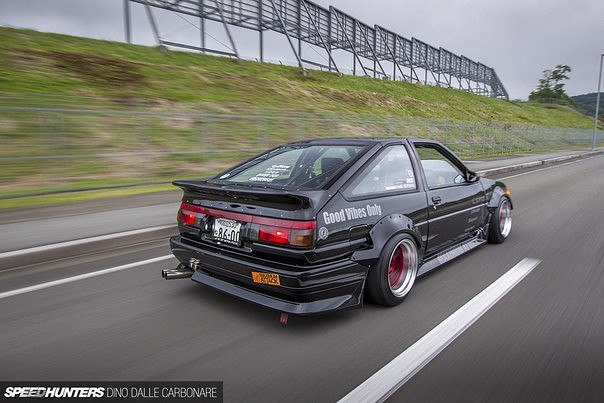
304 290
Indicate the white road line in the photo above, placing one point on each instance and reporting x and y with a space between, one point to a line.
45 248
393 375
545 169
49 284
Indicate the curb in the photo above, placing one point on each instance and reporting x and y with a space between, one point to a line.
517 167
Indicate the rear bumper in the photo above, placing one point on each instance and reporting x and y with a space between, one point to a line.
304 290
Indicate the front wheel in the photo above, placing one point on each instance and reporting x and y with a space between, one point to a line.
501 222
391 279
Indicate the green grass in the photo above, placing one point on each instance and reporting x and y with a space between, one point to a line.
58 71
40 63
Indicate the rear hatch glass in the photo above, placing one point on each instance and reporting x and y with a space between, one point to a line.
307 167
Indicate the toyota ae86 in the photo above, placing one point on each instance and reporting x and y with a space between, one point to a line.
315 226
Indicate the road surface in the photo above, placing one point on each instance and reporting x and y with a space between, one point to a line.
543 341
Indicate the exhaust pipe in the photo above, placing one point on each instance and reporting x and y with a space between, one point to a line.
181 271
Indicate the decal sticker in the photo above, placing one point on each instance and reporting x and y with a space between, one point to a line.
408 183
271 173
352 213
394 186
266 278
323 233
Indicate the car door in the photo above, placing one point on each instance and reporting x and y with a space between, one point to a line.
456 205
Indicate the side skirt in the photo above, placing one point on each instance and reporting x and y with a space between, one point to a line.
452 253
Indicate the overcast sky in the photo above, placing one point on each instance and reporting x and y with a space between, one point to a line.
519 38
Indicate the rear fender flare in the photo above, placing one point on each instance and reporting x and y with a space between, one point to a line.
384 230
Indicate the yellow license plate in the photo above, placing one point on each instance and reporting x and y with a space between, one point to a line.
266 278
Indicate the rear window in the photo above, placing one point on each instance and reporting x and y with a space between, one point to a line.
301 167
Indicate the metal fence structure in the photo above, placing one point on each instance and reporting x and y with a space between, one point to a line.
67 146
375 51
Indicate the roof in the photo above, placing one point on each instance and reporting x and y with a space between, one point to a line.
356 141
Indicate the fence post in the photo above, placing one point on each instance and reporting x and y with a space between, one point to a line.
484 139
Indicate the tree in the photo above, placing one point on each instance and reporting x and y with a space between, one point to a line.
551 86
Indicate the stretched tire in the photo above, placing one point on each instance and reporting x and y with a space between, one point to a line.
501 222
391 279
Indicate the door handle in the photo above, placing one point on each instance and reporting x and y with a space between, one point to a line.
436 199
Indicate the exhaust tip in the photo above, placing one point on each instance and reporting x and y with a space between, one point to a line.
180 272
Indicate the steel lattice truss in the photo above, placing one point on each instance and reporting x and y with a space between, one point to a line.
331 29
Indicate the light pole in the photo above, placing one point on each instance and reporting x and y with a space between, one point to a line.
593 140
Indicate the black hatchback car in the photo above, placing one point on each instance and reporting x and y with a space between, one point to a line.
314 226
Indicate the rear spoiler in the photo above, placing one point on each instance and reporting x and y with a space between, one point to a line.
273 198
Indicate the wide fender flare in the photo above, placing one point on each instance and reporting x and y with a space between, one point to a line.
498 193
382 232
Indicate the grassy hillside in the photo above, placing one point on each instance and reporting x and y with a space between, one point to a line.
586 103
208 120
39 63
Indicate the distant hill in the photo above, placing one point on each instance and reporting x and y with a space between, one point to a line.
586 103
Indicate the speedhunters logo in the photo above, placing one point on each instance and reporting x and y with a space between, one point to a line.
56 392
100 391
53 392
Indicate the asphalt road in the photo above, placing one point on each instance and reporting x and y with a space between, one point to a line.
541 342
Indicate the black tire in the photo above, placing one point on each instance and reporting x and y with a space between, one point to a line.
391 279
501 222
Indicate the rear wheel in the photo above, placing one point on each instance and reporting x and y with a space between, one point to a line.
391 279
501 222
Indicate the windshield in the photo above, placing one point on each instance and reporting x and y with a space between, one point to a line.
303 167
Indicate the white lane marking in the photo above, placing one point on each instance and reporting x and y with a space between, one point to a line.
45 248
54 283
545 169
393 375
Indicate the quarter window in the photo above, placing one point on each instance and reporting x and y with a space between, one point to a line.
391 171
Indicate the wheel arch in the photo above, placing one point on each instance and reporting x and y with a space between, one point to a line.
498 193
384 230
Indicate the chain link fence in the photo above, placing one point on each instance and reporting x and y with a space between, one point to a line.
78 143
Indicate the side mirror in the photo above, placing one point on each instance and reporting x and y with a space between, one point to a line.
472 176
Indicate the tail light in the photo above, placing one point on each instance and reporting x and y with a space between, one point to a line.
190 214
267 230
186 216
287 236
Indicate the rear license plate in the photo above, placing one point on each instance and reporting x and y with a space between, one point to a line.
227 231
266 278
